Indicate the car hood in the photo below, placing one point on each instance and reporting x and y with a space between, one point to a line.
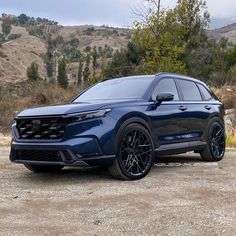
69 108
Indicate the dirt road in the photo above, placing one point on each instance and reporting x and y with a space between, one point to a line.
184 197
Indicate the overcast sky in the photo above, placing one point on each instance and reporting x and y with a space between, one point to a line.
98 12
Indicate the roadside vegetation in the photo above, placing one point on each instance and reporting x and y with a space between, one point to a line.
31 94
231 140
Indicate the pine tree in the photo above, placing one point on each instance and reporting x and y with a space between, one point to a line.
80 72
49 59
86 73
95 57
62 76
6 27
88 60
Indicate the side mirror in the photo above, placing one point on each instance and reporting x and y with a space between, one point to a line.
163 97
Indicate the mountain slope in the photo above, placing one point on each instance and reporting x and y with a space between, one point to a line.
98 36
228 32
17 55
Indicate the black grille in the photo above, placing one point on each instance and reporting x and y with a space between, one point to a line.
35 155
44 128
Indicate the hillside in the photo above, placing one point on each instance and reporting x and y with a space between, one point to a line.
18 54
98 36
228 32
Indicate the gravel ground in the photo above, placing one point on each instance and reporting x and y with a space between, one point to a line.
181 196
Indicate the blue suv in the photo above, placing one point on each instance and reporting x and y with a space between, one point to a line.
123 124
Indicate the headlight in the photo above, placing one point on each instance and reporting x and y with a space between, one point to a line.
88 115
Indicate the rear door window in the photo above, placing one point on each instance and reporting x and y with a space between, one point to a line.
189 90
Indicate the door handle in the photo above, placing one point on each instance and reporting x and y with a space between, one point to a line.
208 107
182 108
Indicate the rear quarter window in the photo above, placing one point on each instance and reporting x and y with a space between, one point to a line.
206 94
189 90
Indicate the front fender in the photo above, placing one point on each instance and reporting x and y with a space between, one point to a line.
130 118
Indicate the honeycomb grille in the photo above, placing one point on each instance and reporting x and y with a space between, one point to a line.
48 129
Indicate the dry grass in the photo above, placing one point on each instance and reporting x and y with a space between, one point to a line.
227 94
5 140
14 100
231 140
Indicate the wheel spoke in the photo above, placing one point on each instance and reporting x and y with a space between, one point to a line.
125 149
139 169
141 160
126 162
134 138
218 134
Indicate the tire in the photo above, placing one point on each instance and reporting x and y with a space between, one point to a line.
43 168
215 148
134 153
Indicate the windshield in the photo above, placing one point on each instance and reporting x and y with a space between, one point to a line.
124 88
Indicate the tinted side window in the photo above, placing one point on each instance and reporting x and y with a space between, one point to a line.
167 86
189 90
205 92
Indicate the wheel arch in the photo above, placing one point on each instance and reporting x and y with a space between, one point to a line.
212 119
134 118
216 117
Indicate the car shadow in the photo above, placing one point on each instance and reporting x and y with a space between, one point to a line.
68 175
182 158
86 175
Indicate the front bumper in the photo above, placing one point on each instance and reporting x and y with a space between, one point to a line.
82 151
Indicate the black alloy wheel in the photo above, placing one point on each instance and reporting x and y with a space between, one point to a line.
215 148
217 143
135 154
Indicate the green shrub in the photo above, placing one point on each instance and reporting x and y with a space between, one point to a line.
14 36
89 31
62 76
2 37
32 72
35 31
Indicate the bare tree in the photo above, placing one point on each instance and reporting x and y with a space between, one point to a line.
144 11
147 8
157 4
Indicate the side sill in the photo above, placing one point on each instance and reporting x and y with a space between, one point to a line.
178 148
